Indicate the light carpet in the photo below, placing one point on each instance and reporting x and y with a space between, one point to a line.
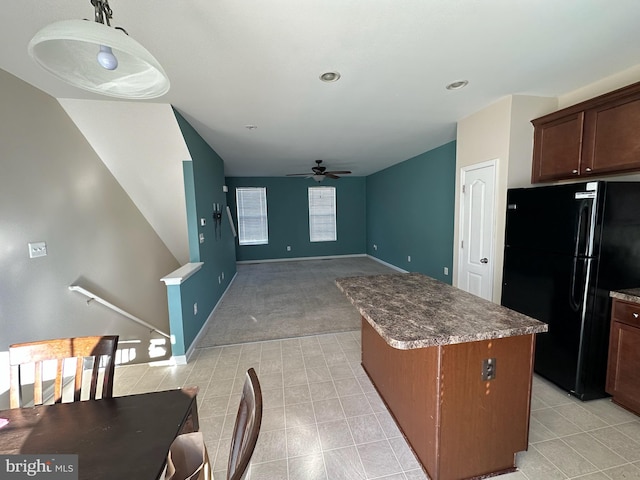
274 300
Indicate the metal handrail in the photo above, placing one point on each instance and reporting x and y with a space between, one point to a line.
93 296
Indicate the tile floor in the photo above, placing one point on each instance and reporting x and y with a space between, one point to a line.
323 419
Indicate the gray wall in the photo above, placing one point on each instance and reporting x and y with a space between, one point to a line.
54 188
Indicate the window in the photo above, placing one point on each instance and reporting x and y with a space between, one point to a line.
252 215
322 214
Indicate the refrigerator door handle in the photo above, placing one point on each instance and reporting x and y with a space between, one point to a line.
579 280
573 301
583 229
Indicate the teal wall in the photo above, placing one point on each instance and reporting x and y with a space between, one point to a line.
405 210
410 212
288 217
204 178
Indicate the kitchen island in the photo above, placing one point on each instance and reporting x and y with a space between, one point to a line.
454 370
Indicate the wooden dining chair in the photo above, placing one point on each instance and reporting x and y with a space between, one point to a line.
247 427
34 355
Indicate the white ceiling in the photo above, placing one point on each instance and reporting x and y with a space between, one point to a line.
234 63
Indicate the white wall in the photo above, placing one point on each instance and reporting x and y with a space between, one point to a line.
501 132
54 188
504 131
607 84
143 148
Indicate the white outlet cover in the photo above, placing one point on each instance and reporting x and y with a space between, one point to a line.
37 249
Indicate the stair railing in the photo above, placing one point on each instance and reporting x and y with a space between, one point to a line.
92 296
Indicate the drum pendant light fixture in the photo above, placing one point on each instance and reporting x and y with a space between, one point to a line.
99 58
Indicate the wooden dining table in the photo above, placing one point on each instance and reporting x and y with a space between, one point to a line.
114 438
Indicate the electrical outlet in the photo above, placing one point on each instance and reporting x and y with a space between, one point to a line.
488 369
201 238
288 248
223 275
446 270
195 308
37 249
375 247
409 258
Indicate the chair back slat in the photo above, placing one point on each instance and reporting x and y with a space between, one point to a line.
78 348
57 386
247 427
77 386
37 383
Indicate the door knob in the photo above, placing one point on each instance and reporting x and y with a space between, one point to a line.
484 260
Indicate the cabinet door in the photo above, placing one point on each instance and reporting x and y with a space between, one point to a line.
557 148
612 142
623 375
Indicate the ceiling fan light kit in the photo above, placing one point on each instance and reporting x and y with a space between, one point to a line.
99 58
319 173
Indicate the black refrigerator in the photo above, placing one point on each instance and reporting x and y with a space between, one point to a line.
566 247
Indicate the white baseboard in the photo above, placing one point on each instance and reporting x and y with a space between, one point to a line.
297 259
388 264
184 359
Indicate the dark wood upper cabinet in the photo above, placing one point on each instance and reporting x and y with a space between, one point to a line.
557 147
598 137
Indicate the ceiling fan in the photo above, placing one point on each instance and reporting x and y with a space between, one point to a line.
319 173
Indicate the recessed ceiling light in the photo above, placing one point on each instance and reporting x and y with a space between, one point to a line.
458 85
330 77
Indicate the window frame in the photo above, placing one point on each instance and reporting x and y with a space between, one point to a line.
262 225
319 234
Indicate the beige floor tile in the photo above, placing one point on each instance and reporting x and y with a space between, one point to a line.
323 419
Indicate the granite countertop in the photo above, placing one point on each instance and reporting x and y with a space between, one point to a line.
628 295
411 310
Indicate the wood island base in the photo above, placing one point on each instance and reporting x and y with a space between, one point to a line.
458 424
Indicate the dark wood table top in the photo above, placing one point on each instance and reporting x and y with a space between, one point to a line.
121 437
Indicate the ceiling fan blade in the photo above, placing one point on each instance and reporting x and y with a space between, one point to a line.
339 172
330 175
299 175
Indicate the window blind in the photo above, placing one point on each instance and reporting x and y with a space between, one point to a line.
251 204
322 214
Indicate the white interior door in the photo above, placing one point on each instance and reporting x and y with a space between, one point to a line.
476 259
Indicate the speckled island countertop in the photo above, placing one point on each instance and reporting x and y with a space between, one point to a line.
411 310
629 295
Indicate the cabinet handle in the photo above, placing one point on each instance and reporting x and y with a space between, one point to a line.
587 169
574 171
